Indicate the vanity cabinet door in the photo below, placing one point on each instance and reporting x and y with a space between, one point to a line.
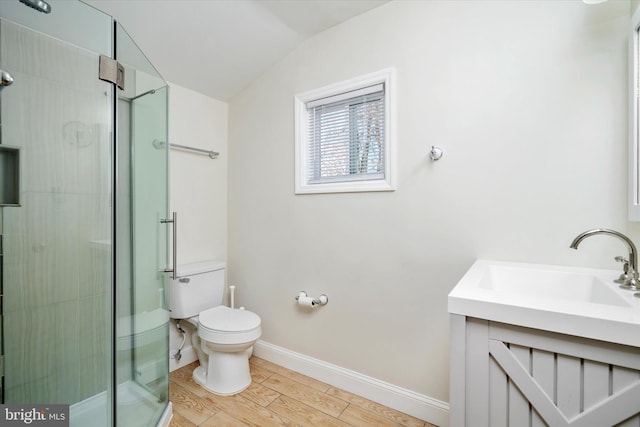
514 376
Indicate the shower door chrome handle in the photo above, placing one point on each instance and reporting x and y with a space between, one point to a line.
174 253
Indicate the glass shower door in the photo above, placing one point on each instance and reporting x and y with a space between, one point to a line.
143 317
57 252
84 316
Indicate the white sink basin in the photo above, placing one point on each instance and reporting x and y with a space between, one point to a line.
540 282
577 301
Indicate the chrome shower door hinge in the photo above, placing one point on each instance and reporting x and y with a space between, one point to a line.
111 71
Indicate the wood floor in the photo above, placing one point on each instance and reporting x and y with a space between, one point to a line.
277 397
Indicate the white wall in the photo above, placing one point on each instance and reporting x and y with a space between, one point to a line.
528 101
198 184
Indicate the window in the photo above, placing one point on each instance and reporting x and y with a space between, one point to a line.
343 139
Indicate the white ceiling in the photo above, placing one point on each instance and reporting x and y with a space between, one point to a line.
218 47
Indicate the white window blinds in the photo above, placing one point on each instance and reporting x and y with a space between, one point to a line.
346 136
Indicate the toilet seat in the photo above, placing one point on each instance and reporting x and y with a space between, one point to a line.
224 325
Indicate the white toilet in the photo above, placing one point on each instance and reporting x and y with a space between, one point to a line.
225 336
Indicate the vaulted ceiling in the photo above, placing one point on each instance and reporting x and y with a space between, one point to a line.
218 47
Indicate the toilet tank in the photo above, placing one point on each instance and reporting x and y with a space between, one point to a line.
199 286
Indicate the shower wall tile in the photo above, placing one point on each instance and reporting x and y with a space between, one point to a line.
57 280
95 329
14 278
64 135
14 113
96 252
95 349
62 117
39 341
45 234
48 164
15 220
47 57
95 272
96 375
54 388
86 130
95 163
14 268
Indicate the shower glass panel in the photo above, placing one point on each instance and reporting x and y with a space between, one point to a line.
84 317
143 317
57 255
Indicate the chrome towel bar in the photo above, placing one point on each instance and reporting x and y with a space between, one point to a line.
212 154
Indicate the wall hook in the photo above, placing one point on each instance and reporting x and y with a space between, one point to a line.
435 153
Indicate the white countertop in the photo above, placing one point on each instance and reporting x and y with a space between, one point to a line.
570 300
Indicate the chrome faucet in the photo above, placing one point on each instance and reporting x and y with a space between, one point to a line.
631 282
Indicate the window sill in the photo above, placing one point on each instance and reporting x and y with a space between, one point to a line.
345 187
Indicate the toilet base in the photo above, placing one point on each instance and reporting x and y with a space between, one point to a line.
226 373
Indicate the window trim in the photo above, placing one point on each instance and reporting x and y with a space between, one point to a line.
302 184
634 141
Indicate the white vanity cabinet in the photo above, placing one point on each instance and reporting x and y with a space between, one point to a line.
534 345
505 375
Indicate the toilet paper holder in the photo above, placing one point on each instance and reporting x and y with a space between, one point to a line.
305 300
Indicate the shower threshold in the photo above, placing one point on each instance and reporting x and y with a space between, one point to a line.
135 404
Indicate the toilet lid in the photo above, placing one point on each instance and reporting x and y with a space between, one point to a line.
225 319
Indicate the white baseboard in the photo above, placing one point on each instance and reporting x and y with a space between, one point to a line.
417 405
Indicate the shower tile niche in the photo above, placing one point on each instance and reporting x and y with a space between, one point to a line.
9 176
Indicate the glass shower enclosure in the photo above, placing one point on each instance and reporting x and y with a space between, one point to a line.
83 196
